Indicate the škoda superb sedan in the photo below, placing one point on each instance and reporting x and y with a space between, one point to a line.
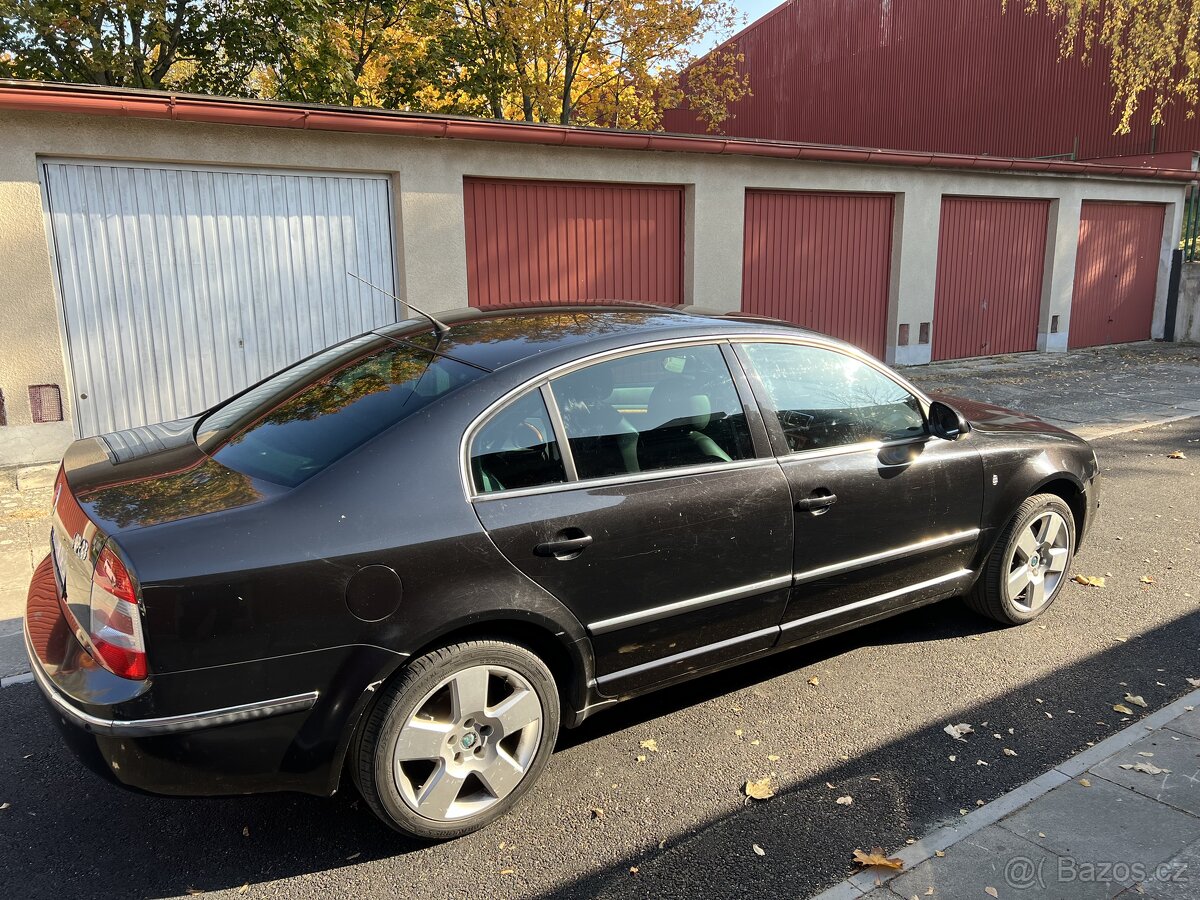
411 558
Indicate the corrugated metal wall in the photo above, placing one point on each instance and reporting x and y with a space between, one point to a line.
820 260
990 268
182 286
558 242
930 75
1116 272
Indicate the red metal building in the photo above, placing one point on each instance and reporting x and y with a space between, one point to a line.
962 76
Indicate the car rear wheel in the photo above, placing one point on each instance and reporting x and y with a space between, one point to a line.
1029 564
457 738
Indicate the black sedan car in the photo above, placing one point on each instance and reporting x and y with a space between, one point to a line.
414 556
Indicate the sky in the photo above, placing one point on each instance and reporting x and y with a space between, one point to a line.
751 10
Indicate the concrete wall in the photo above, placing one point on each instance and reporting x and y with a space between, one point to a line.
431 241
1187 313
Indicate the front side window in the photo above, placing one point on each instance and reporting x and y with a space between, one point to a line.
660 409
516 448
823 398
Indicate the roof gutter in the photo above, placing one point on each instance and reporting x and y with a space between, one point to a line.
122 102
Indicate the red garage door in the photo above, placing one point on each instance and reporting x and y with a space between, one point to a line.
563 242
1116 273
991 261
820 260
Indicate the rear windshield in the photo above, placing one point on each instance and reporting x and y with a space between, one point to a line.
296 423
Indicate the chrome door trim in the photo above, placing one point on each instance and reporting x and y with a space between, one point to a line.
958 537
686 654
879 598
629 478
670 609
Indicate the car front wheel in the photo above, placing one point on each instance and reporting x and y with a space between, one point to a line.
457 738
1029 564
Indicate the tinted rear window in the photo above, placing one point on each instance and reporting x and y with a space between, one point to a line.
307 417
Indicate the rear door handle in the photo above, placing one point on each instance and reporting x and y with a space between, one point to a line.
821 501
565 548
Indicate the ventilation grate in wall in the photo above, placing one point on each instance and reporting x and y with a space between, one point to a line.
45 402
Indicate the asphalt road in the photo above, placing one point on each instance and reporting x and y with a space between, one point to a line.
871 729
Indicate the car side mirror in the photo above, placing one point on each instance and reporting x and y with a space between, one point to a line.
946 422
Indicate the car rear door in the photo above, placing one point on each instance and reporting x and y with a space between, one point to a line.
886 514
664 524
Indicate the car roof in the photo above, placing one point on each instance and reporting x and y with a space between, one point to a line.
495 338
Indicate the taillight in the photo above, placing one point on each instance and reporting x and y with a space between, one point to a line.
116 627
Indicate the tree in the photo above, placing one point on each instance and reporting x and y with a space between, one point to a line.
211 46
1153 46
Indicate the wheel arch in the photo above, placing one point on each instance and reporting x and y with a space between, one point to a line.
567 655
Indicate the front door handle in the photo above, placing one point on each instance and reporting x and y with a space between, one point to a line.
568 545
817 502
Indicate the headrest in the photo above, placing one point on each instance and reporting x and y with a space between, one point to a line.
678 403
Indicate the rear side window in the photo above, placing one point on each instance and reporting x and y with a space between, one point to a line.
307 417
661 409
516 448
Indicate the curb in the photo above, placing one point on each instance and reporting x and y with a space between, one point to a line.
947 836
23 678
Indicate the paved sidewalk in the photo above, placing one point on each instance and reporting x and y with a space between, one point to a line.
25 496
1120 819
1091 392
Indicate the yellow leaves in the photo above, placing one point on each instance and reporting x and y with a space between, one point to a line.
760 789
1136 700
1085 782
876 857
991 891
1122 709
815 681
650 744
1178 454
1147 579
1089 580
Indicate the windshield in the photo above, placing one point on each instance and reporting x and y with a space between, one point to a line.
307 417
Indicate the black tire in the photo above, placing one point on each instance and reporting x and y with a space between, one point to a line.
376 741
991 595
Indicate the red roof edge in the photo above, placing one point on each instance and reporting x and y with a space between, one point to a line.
101 101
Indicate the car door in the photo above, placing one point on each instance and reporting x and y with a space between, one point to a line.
886 514
664 525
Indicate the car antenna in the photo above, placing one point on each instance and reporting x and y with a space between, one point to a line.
438 325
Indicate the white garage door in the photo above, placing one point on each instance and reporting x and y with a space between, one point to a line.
181 286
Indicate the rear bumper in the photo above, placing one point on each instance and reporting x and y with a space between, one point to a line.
159 737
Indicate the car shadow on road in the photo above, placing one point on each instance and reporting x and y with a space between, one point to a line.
904 788
168 846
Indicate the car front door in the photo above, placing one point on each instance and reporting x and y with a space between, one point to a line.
886 514
637 490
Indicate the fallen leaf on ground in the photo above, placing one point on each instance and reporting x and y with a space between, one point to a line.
244 888
651 745
508 871
640 757
991 891
1085 782
772 757
939 853
1147 768
1178 454
761 789
759 850
1008 752
844 801
980 762
633 870
597 812
1147 579
1194 682
957 731
245 831
354 856
953 758
5 805
1089 580
738 732
1123 709
1136 700
876 857
193 890
1144 753
814 681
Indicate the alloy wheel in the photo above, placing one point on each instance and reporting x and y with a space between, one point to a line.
468 743
1037 562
